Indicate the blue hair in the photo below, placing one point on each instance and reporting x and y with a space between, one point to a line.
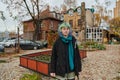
64 24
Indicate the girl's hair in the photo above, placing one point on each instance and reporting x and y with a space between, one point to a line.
64 24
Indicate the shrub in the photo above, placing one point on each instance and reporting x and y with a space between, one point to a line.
94 45
3 61
43 58
33 76
81 47
99 46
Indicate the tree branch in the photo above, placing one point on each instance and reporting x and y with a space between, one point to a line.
38 9
28 9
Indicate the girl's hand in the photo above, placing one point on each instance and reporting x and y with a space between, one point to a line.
52 74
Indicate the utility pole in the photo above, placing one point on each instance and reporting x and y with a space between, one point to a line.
18 42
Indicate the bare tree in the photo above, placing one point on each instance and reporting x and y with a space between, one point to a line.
25 9
70 3
56 9
64 7
115 25
101 10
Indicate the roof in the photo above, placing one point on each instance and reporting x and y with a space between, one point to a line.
44 18
46 14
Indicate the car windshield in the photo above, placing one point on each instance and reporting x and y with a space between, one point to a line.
25 41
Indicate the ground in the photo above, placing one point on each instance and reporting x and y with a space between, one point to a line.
99 65
102 65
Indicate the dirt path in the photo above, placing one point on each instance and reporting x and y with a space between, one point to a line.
99 65
102 65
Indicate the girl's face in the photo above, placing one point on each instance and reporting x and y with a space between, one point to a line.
65 31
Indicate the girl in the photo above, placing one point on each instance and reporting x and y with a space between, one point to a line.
65 59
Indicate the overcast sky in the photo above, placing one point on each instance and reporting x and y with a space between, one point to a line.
9 24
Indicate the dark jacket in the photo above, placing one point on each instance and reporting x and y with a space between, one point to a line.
59 58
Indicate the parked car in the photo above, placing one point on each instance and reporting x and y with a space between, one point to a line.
43 43
3 41
8 42
1 48
29 45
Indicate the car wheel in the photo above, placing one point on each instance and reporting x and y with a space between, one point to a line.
35 48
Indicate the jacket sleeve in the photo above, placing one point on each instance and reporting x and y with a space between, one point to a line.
79 63
77 59
53 59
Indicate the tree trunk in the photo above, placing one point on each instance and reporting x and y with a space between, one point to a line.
37 32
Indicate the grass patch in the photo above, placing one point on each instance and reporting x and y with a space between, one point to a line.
116 78
33 76
7 54
16 56
3 61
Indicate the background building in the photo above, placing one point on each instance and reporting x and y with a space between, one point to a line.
79 18
97 34
94 34
50 22
117 9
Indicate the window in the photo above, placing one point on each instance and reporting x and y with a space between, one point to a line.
51 25
100 35
95 31
54 15
42 25
95 35
71 22
98 30
79 10
87 30
76 34
62 17
58 16
87 36
70 12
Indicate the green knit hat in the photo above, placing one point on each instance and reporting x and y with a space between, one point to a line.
64 24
